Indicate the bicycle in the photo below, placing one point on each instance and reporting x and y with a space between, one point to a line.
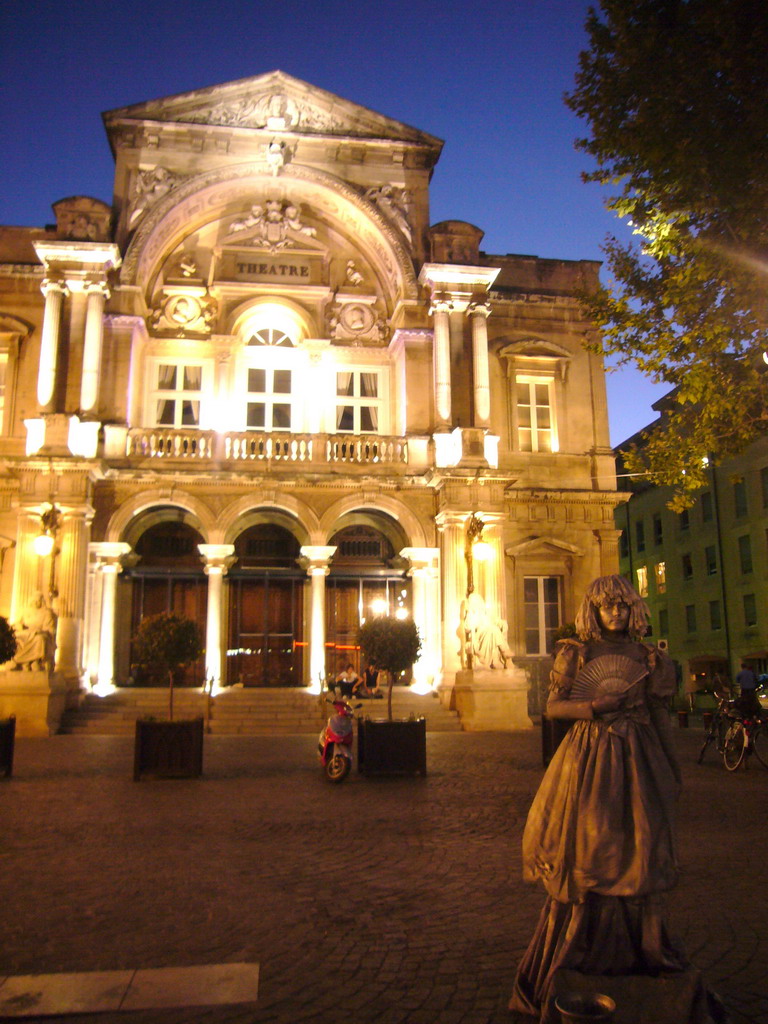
746 736
722 719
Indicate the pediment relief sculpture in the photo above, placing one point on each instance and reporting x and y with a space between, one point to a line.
150 186
272 225
273 111
395 203
190 311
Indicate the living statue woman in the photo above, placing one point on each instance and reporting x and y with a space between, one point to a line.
600 834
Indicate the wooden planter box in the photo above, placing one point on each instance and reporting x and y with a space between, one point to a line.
392 748
168 750
7 742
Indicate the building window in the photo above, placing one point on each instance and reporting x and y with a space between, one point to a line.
690 618
176 397
268 402
642 581
661 577
684 520
687 566
706 507
541 599
710 559
640 535
663 623
658 532
745 553
623 545
715 618
358 402
536 430
750 610
740 498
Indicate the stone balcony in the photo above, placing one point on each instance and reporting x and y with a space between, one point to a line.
240 450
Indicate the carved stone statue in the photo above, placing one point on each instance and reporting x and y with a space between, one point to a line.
35 635
394 203
484 637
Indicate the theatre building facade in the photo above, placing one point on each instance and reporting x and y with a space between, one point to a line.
261 390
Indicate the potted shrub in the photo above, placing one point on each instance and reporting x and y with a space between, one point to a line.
172 749
387 747
7 725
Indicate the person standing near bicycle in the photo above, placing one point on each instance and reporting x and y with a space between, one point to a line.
746 680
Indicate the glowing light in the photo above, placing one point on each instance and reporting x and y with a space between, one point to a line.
103 689
482 551
401 613
379 606
421 688
43 545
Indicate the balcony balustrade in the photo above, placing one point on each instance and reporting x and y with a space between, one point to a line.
196 446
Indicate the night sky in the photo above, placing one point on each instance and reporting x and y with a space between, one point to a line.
486 76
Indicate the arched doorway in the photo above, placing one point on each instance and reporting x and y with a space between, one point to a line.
266 598
367 577
167 577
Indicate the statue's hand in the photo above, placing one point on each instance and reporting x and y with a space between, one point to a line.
607 702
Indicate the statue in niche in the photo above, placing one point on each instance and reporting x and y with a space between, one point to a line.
600 832
35 635
394 203
484 636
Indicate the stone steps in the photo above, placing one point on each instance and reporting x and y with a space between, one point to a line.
241 711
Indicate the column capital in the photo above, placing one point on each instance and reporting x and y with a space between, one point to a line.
315 559
53 285
424 561
480 307
109 554
97 286
217 559
440 304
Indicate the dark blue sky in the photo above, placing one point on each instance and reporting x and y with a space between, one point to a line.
486 76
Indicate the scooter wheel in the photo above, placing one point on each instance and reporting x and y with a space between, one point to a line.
337 768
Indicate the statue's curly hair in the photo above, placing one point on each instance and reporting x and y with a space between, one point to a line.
602 591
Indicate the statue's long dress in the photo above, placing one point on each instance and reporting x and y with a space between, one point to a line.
600 834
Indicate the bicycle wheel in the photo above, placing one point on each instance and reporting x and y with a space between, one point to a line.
735 746
760 743
723 724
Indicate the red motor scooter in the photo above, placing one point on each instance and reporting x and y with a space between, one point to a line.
335 742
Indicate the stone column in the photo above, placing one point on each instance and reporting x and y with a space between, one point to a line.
217 559
489 574
109 567
73 571
54 292
441 362
28 574
480 311
425 575
98 293
315 560
454 583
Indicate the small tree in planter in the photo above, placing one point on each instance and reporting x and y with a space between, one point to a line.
168 643
168 749
393 645
7 725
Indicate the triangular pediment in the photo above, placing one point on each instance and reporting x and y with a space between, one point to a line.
276 103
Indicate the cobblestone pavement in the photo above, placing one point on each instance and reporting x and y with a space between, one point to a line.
380 900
